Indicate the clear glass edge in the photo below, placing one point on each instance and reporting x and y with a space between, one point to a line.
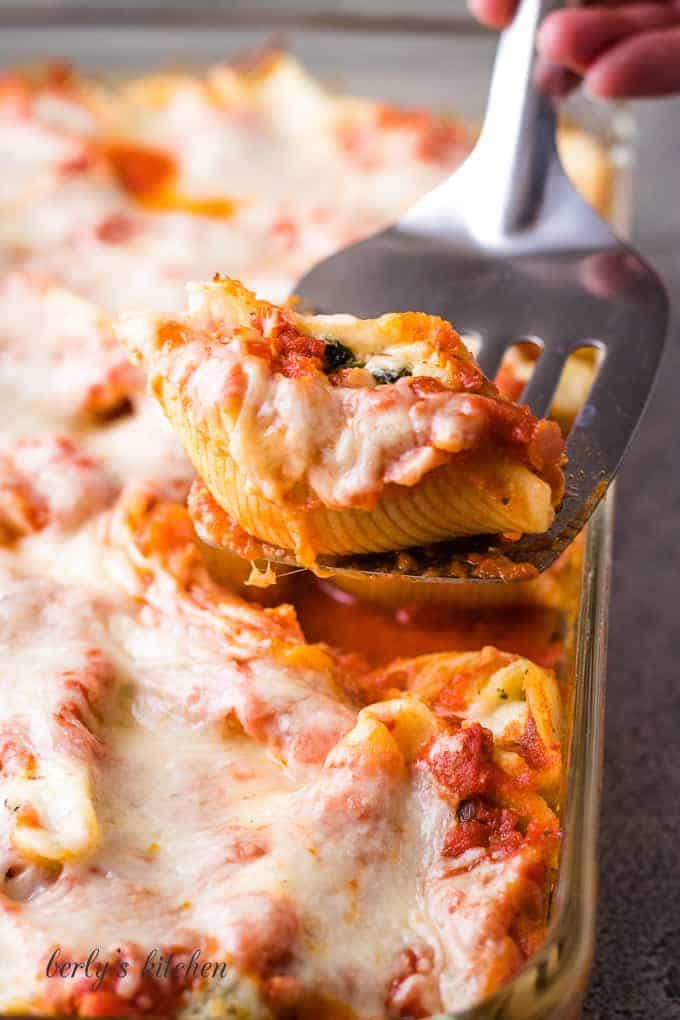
552 984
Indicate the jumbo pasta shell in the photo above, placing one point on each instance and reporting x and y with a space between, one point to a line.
325 460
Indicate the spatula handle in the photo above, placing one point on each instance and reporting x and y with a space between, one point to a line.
518 133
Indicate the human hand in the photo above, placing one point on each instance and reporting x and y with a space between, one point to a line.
617 48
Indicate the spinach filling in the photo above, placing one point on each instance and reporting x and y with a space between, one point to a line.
337 355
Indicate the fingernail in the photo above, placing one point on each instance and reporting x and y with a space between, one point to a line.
554 79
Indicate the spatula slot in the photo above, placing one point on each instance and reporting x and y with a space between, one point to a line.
517 367
576 381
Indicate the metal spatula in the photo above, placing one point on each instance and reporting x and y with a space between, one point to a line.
508 250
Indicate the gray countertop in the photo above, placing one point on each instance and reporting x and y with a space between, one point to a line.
637 965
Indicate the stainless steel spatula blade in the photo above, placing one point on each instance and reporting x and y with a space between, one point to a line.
507 249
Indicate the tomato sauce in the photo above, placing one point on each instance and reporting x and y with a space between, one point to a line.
380 635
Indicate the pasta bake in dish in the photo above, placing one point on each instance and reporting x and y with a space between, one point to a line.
219 802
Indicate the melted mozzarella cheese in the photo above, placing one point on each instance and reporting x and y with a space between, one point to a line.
50 753
87 370
202 829
179 768
343 443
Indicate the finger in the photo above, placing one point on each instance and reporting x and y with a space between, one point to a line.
494 13
610 273
576 38
630 3
643 65
555 80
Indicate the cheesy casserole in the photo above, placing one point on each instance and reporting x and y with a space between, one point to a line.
206 811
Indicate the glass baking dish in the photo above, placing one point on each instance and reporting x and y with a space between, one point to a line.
442 62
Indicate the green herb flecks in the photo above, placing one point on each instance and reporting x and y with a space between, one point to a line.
338 355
